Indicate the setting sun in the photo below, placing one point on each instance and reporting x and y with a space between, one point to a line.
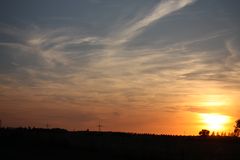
215 122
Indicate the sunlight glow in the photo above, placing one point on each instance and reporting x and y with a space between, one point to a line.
214 100
214 103
215 122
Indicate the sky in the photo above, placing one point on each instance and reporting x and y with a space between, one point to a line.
145 66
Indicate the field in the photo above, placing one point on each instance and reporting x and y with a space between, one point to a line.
24 143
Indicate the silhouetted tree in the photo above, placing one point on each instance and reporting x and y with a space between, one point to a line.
237 128
229 134
238 123
204 133
213 134
224 134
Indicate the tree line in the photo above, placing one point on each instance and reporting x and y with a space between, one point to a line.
236 132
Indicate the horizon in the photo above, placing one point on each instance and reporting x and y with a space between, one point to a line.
156 66
211 133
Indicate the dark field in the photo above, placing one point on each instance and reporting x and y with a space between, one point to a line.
62 144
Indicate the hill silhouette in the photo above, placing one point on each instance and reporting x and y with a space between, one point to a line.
37 143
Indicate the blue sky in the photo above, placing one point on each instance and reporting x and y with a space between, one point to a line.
130 63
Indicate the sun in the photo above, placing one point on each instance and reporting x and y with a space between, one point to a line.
215 122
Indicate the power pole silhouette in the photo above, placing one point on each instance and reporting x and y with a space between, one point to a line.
0 123
47 126
99 126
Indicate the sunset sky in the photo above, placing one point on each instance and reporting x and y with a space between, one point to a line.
146 66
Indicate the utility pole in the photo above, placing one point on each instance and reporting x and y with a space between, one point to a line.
0 123
99 126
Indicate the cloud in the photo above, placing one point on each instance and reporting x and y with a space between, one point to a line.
221 66
233 56
116 43
163 9
63 48
199 109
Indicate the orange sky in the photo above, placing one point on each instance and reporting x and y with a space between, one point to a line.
165 67
154 114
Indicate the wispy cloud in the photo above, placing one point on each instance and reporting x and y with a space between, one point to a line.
115 43
164 8
233 55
